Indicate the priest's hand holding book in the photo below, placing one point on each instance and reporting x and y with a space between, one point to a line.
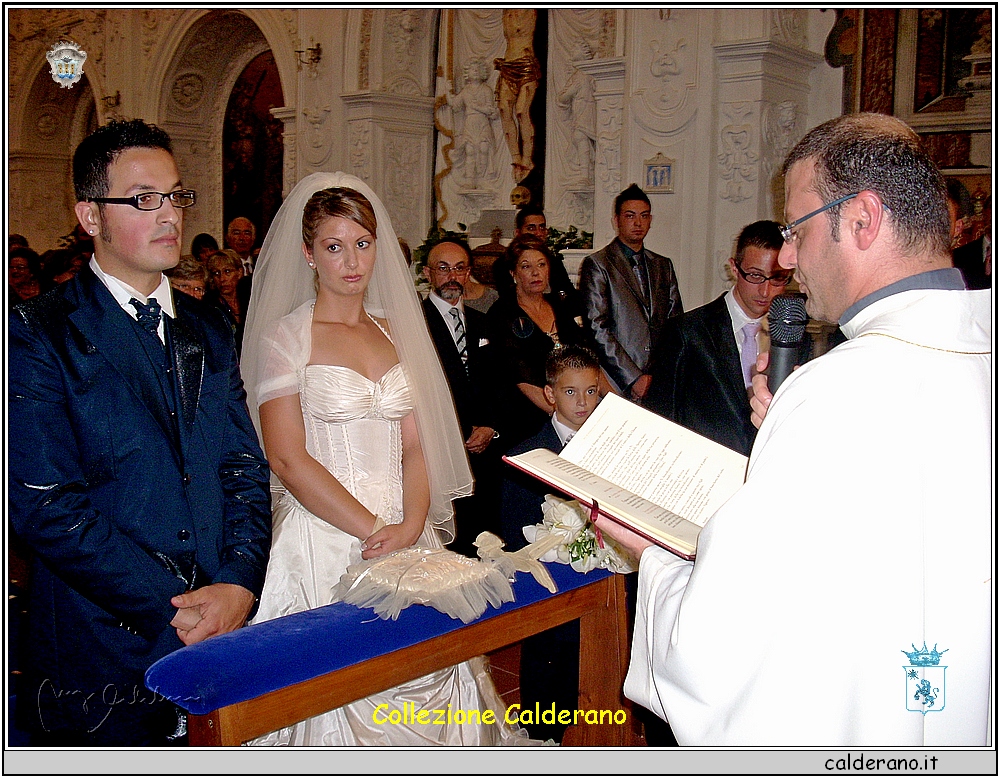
634 468
628 539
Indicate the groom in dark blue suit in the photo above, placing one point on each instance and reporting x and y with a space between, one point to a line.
135 475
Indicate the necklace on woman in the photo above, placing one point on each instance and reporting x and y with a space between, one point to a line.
539 313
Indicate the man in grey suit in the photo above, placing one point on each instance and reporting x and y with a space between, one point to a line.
629 293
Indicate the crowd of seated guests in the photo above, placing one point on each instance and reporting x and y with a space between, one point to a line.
62 264
29 274
208 273
24 274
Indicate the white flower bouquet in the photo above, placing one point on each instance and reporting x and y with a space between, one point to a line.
579 546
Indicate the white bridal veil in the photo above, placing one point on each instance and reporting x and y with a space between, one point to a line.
282 281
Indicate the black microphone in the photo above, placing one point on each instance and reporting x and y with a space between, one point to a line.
787 317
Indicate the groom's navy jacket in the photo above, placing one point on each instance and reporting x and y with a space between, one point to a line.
126 493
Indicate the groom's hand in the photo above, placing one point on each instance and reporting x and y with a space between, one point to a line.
223 608
186 619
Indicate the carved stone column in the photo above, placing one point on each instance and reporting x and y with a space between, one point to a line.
196 150
41 200
391 140
762 72
576 36
289 170
763 95
609 92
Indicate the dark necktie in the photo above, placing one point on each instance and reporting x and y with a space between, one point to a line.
640 273
460 335
148 315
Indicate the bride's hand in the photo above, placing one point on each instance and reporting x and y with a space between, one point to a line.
391 537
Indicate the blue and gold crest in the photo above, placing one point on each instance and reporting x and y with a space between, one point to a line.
924 679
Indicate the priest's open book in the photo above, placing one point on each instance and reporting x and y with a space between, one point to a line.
654 476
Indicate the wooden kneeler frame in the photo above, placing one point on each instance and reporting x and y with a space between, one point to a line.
604 658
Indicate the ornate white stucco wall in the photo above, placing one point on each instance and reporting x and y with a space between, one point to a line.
721 92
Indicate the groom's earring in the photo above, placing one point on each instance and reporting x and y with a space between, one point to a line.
311 264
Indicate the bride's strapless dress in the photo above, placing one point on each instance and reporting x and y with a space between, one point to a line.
353 429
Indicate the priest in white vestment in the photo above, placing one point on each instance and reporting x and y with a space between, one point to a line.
843 597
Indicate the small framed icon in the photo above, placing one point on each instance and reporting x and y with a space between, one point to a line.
660 172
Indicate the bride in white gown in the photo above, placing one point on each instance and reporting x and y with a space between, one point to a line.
357 422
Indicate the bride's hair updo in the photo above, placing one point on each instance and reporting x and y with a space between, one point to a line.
337 201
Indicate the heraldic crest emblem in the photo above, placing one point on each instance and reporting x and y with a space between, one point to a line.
66 62
924 679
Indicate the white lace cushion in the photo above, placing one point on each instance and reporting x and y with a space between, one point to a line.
449 582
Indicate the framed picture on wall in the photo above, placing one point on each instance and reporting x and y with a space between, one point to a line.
943 70
659 177
943 89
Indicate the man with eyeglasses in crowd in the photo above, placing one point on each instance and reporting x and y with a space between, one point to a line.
459 335
854 567
135 474
702 365
240 237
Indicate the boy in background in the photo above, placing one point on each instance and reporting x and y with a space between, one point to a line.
550 660
571 387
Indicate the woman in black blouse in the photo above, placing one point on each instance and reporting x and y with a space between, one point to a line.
525 325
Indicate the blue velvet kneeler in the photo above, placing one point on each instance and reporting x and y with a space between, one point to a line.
263 658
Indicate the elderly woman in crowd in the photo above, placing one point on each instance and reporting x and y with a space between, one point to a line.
190 277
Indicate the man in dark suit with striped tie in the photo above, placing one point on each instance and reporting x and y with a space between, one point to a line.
459 334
